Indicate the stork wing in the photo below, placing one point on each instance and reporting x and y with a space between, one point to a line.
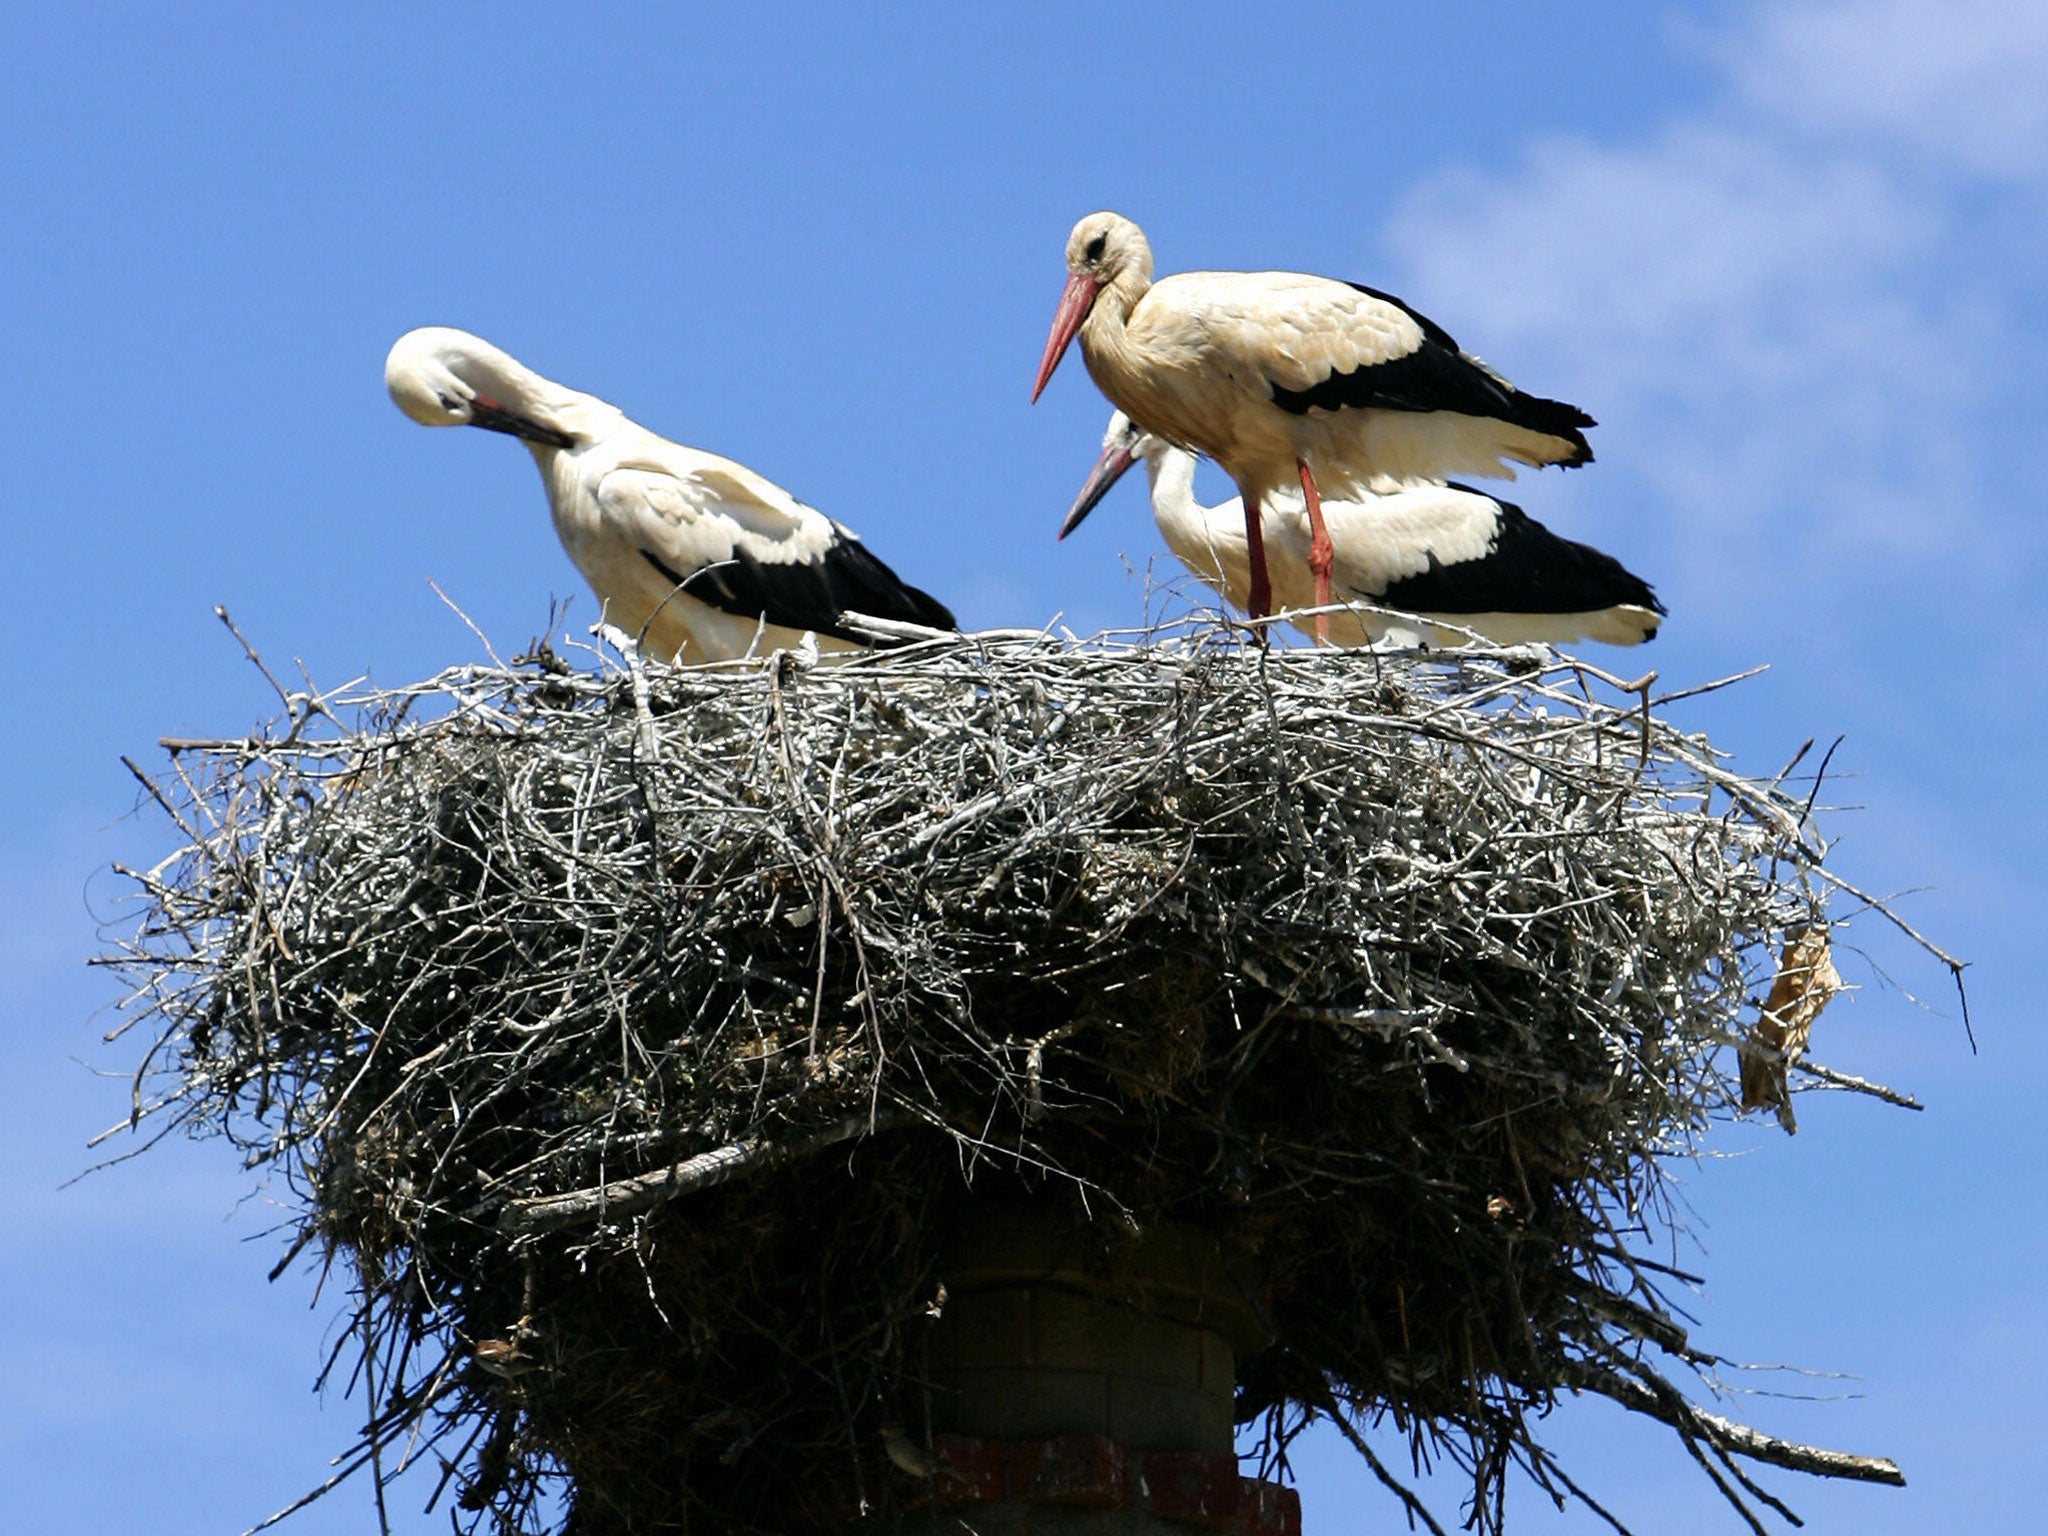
683 486
1292 329
1323 345
1385 538
746 547
1450 549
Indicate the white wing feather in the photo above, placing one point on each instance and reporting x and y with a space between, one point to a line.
1293 329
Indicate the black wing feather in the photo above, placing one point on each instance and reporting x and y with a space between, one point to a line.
1528 569
1438 376
811 594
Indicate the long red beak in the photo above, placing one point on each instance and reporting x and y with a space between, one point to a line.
1107 471
1074 302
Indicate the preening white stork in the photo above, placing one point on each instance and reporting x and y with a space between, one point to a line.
1440 552
699 558
1282 377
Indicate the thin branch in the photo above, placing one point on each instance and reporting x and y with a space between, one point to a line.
1727 1435
643 1192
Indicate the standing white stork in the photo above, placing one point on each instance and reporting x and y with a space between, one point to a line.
1440 552
1279 376
699 558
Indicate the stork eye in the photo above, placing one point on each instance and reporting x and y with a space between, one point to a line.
1094 251
448 401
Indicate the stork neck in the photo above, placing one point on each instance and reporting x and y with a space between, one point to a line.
585 418
1105 342
1171 473
505 381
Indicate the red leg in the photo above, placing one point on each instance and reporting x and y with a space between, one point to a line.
1261 601
1321 552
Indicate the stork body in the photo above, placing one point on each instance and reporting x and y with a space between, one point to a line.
1286 379
1454 558
697 557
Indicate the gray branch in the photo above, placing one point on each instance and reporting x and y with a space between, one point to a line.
643 1192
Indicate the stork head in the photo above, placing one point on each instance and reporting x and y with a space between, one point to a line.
1104 248
442 377
1123 444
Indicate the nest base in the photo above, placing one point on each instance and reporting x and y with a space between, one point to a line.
1047 1330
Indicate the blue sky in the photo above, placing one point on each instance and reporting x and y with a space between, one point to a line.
1789 254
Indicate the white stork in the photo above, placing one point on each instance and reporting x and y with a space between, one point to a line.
699 558
1440 552
1282 377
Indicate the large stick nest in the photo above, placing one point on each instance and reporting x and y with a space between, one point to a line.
633 1035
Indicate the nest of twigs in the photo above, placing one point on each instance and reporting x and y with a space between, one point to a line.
632 1034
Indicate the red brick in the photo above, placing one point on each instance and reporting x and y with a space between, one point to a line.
1088 1470
971 1471
1198 1488
1269 1510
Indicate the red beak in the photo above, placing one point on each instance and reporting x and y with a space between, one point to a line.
1108 469
1074 304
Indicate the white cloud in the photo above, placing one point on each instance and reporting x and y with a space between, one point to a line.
1778 313
1962 81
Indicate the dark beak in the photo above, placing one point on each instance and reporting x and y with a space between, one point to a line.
1108 469
493 417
